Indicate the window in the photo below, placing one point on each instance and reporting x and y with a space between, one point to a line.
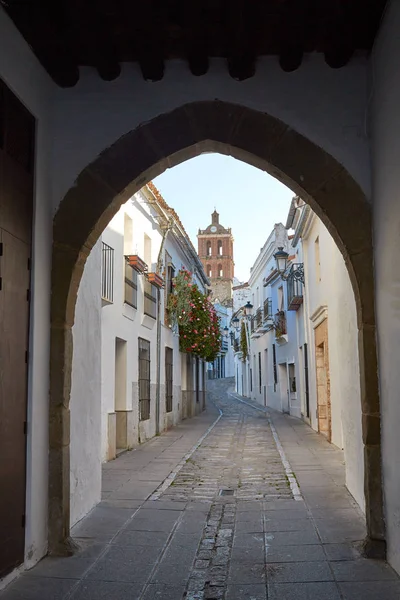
281 305
208 248
168 289
128 234
219 247
144 379
209 271
169 368
130 286
147 250
220 271
317 260
150 299
107 273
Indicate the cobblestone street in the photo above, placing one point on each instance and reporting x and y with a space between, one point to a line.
211 510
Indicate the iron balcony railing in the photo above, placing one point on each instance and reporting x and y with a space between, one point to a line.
295 286
259 317
267 310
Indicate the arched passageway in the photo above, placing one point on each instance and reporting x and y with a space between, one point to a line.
142 154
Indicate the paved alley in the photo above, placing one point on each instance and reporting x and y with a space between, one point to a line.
224 506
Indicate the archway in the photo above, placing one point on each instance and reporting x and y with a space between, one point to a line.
142 154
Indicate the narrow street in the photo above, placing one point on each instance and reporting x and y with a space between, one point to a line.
223 518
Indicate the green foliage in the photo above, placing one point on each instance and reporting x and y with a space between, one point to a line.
243 342
193 313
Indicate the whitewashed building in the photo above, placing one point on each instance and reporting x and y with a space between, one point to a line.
223 365
272 333
328 372
302 337
138 383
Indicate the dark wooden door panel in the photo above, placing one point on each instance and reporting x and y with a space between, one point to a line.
17 128
13 381
15 198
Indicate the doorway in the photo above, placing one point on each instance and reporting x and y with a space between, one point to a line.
323 380
17 135
284 388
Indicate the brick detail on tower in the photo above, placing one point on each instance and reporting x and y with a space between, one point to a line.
215 249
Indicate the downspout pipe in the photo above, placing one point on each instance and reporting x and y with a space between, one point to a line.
167 229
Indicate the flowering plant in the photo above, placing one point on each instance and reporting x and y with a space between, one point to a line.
196 318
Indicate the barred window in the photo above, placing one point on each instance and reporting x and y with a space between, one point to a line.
130 286
144 379
107 273
150 299
169 367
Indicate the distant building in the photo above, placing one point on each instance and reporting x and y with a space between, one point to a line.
215 249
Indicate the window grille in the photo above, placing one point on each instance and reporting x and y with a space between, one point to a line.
107 273
131 286
150 299
169 367
144 379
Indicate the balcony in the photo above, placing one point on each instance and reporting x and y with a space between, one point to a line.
295 286
281 327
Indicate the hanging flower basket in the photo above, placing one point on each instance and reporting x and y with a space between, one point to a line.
196 318
137 263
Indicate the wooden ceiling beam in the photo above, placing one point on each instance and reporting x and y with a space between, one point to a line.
42 27
293 33
195 37
148 38
339 35
241 29
88 24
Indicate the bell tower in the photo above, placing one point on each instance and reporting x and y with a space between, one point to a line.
215 249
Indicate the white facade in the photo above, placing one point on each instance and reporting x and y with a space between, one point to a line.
223 365
271 364
106 417
328 297
284 369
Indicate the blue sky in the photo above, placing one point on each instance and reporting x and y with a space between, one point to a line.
248 200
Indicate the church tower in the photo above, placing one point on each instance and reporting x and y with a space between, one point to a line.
215 249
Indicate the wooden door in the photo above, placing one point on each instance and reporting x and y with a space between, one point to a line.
16 202
323 380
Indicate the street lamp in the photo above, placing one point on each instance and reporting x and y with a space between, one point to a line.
226 331
297 271
236 323
281 258
249 308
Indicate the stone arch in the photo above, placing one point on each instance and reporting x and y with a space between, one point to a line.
142 154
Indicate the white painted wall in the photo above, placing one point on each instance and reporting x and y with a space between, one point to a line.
334 292
94 114
21 71
85 476
385 129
